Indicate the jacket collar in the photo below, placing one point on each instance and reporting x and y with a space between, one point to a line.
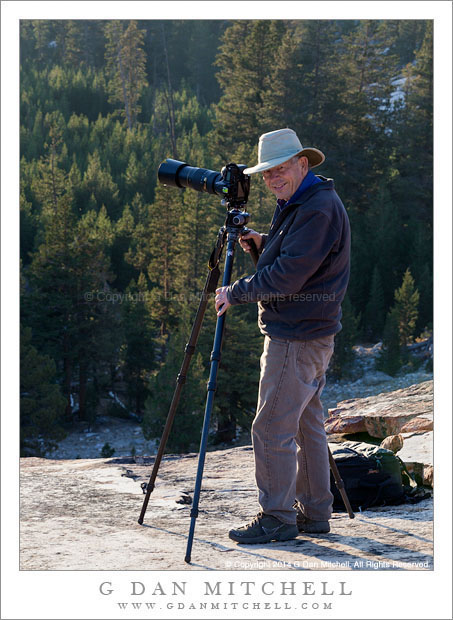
303 198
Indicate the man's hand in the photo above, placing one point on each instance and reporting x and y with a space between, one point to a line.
250 234
221 300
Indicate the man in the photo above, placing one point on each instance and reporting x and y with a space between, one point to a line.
300 281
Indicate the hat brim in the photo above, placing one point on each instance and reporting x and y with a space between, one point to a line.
315 158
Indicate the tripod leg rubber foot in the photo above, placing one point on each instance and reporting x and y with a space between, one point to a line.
140 521
187 559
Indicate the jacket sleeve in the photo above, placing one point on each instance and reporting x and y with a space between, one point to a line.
263 243
306 245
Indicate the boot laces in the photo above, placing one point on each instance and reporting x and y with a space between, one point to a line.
256 519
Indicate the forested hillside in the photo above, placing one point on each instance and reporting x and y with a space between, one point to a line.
112 264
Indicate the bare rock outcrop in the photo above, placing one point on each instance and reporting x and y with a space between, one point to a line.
385 414
419 424
82 515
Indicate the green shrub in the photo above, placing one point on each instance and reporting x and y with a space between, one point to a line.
107 450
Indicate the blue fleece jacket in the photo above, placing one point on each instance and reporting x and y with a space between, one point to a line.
303 270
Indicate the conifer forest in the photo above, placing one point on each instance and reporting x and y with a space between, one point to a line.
113 263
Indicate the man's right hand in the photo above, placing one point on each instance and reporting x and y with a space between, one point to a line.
250 234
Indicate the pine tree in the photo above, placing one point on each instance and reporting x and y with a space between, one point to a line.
41 402
126 60
399 326
302 91
136 224
390 359
406 308
69 40
246 56
425 316
98 185
186 429
409 38
109 136
201 217
67 271
160 230
375 309
27 42
93 42
416 133
203 38
36 141
367 67
135 176
384 242
137 354
343 357
53 290
27 228
42 35
95 321
279 108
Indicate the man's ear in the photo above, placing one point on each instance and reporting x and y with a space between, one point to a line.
304 164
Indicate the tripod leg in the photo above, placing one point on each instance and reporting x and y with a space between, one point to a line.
340 485
210 286
215 360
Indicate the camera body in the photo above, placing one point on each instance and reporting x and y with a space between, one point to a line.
231 183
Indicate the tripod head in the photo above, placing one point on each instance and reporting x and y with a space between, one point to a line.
235 198
236 219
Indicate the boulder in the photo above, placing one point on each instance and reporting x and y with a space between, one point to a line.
428 476
417 454
417 448
374 378
384 414
393 443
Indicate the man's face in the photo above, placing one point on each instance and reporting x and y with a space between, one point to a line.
284 179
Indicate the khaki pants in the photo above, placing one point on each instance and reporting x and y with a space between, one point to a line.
289 440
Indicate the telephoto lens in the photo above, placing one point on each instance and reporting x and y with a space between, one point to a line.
179 174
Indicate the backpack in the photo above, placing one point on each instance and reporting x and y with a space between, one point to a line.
373 476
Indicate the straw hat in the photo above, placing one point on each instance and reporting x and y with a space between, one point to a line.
276 147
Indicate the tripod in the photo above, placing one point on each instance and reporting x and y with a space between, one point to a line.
234 226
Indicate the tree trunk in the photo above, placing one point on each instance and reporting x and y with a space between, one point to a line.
138 398
169 98
82 390
123 84
67 372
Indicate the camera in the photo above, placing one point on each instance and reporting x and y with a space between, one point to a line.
231 183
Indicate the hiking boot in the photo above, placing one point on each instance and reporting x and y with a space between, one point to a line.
262 529
310 526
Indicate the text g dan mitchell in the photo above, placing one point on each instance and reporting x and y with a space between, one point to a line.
228 588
